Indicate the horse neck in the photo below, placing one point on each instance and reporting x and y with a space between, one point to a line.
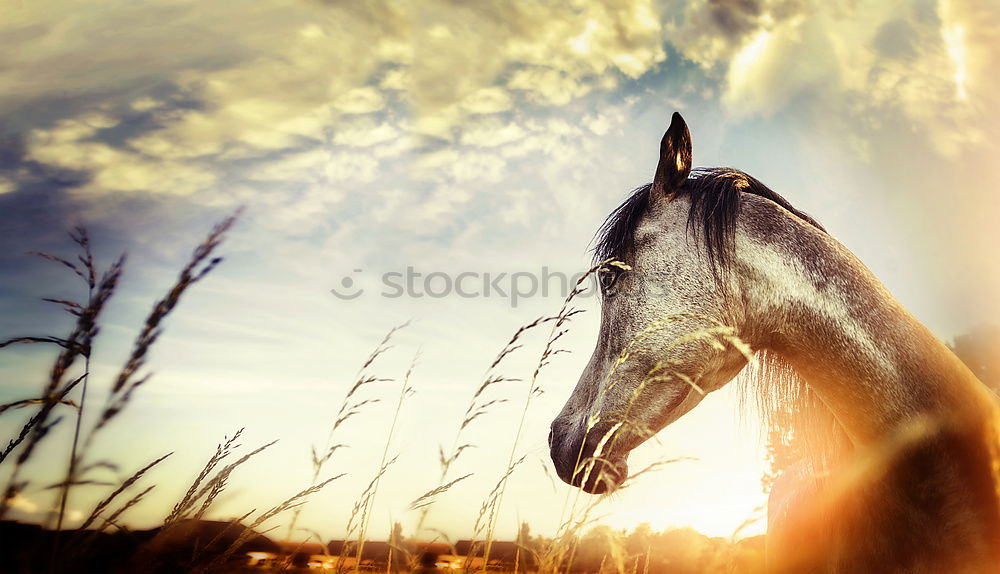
868 359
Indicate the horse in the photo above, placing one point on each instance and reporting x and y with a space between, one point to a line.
705 272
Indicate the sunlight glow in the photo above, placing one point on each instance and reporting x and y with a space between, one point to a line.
737 508
954 40
750 54
581 44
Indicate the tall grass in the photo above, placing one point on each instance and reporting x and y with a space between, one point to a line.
481 402
490 511
367 500
61 383
68 383
356 403
79 343
58 392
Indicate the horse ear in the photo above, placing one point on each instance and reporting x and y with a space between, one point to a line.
675 158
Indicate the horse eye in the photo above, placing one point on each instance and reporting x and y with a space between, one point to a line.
607 277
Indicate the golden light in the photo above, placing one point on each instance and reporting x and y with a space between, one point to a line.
954 41
257 558
741 70
450 561
581 43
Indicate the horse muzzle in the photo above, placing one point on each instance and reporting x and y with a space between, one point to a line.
587 459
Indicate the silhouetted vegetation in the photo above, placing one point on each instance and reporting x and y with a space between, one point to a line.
979 349
197 545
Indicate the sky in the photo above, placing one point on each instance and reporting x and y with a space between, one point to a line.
372 141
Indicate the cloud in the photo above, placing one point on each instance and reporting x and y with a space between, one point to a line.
362 100
548 54
299 105
276 79
933 71
304 107
72 145
490 100
7 184
928 65
714 31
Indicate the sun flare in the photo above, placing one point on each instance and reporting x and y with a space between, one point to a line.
954 40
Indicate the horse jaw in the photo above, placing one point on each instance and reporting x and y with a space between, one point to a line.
595 459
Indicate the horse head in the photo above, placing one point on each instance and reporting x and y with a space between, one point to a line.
664 308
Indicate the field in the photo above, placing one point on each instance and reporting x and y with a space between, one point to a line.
187 541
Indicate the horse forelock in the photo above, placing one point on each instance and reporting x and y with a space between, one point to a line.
617 233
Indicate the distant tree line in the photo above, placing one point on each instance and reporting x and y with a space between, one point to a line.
604 550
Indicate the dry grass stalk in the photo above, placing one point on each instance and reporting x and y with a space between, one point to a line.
128 380
427 498
295 501
125 485
363 503
60 383
478 407
405 391
491 506
349 407
222 450
77 344
205 489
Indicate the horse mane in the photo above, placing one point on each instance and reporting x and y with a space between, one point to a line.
714 194
792 412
